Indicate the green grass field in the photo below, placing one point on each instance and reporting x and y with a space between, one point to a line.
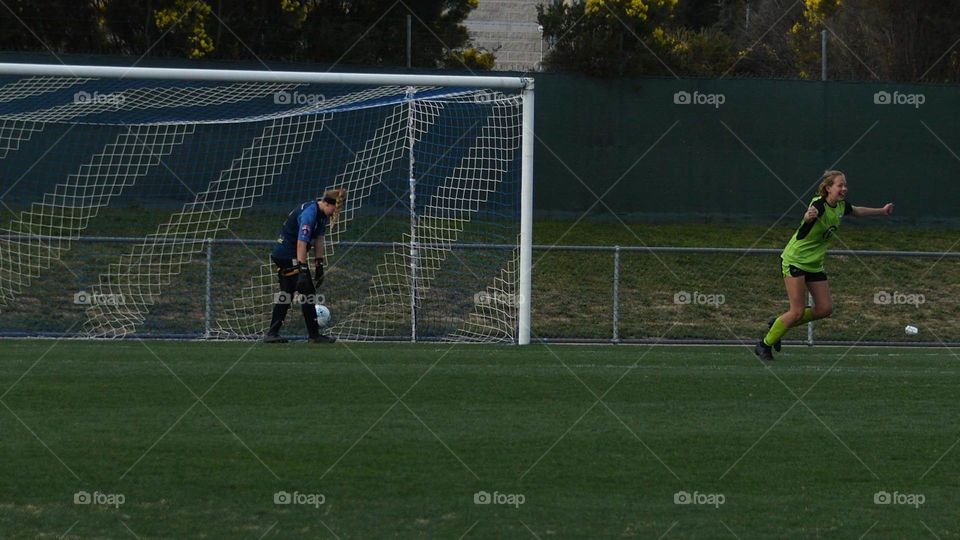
198 438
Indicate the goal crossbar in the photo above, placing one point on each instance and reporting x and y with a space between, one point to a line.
232 75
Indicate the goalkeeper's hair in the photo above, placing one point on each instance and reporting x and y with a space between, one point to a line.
340 195
826 181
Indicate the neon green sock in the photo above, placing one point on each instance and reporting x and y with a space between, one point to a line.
807 317
776 332
779 329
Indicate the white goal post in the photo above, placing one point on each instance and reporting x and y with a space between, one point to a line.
159 119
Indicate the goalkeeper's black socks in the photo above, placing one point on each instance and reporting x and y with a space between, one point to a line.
277 317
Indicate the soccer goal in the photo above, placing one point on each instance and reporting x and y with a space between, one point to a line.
125 190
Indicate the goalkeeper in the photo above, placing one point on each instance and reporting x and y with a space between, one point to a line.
305 225
802 259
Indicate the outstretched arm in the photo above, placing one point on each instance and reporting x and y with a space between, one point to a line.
864 211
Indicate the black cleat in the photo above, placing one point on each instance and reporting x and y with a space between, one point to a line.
778 344
321 339
763 351
274 338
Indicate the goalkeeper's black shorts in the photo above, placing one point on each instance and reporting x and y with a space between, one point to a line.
285 267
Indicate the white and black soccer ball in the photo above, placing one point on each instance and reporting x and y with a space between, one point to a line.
323 315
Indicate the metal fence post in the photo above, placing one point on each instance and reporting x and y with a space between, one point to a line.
823 54
409 41
616 294
208 312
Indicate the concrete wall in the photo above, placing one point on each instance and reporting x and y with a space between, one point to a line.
509 29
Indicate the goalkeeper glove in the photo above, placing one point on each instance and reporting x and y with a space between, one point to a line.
303 279
318 274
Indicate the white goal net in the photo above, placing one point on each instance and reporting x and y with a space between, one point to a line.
148 201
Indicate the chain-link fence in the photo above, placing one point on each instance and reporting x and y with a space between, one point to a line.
727 295
601 294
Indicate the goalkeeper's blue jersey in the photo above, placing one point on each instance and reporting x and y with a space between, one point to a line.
305 222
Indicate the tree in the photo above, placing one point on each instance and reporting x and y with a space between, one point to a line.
371 32
890 39
131 28
699 14
606 37
374 31
707 52
185 22
762 45
897 40
470 58
60 25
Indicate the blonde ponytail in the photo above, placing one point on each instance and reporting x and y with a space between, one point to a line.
340 196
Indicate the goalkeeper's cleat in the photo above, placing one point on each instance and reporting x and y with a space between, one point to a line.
779 343
274 338
321 339
763 351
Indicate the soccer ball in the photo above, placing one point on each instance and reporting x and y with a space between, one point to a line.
323 315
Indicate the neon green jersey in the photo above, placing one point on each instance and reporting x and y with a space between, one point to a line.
808 247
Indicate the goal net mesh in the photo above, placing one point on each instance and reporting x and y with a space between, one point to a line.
139 207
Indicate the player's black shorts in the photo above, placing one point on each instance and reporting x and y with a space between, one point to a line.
790 270
284 266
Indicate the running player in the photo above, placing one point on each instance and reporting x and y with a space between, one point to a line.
305 225
802 259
